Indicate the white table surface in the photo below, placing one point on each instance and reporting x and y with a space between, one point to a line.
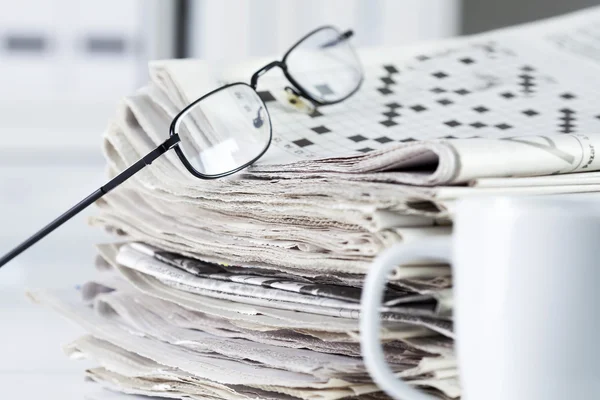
32 364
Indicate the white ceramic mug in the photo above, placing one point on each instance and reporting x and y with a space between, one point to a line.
526 277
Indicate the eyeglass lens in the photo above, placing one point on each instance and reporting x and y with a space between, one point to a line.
224 131
325 65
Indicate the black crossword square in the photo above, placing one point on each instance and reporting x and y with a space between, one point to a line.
530 112
302 142
453 123
357 138
388 123
391 69
266 96
320 129
365 150
383 140
567 96
385 91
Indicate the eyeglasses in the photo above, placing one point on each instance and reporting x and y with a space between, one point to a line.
229 129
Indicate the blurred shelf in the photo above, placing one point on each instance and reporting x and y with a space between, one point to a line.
60 124
40 156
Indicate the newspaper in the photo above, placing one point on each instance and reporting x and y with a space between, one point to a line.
125 324
178 317
570 39
257 290
462 160
261 246
177 384
246 312
240 275
142 321
484 65
267 318
230 288
317 211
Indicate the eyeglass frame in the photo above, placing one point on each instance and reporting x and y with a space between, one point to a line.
173 143
284 68
253 84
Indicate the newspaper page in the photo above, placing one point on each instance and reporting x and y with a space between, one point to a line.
534 81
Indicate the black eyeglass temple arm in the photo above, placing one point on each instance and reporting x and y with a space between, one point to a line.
344 36
83 204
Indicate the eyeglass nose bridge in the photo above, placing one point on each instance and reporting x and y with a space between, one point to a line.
264 70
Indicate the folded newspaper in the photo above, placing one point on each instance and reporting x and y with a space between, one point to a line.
249 286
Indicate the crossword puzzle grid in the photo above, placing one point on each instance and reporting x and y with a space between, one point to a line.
482 90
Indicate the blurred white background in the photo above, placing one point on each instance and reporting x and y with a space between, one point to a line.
64 64
270 27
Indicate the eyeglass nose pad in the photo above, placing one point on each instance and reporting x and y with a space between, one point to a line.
299 102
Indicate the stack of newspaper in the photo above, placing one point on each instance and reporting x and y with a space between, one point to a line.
249 287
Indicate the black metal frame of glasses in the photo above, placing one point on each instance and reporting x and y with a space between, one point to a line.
174 139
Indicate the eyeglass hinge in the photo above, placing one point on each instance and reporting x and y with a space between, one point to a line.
263 70
170 143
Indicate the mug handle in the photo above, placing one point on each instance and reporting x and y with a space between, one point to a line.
436 249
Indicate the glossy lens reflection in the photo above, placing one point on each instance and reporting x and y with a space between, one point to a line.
224 131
